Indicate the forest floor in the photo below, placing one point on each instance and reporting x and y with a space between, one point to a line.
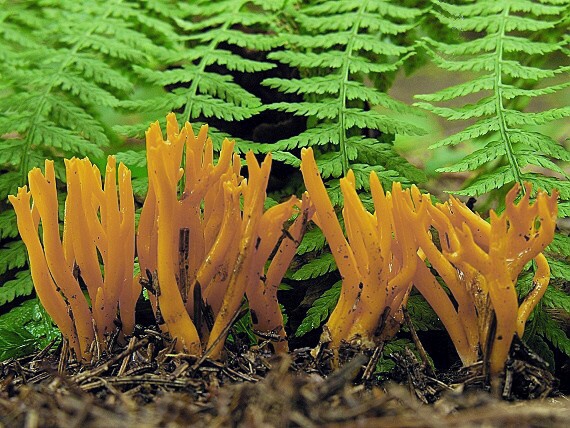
145 383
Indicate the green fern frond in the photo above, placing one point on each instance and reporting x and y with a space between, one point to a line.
16 23
8 228
508 53
386 177
488 182
21 285
559 269
422 315
556 299
333 46
12 256
313 240
24 329
65 65
75 67
551 330
15 341
560 245
132 158
339 42
315 268
320 310
215 42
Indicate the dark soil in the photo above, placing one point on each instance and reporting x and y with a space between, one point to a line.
145 383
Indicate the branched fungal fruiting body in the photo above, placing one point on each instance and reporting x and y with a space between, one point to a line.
386 252
480 263
228 245
376 263
96 223
511 240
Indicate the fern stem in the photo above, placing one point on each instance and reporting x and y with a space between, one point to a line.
503 127
345 73
37 115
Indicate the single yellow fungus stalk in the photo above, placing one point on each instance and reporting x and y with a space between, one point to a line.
130 290
263 297
341 318
44 195
163 160
46 289
214 273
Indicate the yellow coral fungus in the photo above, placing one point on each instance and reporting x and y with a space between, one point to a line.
461 323
511 240
480 263
266 314
224 249
51 299
95 223
377 262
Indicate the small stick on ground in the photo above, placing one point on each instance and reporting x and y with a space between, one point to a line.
223 333
126 359
372 362
44 351
80 377
63 357
416 339
339 379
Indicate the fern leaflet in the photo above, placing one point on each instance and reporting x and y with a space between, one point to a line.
338 43
65 63
197 73
507 54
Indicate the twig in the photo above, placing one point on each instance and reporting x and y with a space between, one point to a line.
419 346
126 359
372 362
222 335
80 377
40 355
339 379
156 380
63 357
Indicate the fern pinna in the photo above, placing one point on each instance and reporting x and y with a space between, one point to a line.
508 43
64 65
195 78
337 47
501 55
